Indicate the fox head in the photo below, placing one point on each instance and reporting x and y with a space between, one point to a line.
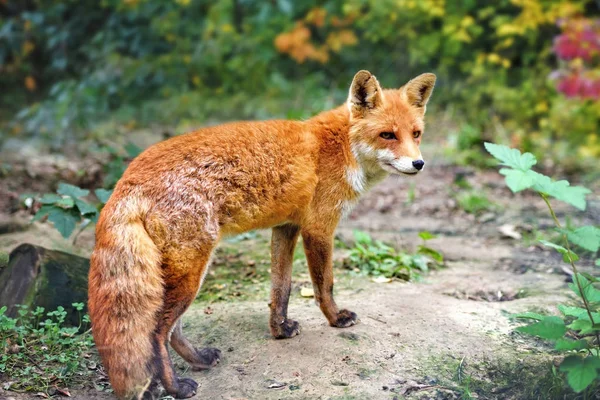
386 126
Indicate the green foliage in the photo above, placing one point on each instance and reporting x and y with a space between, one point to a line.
519 176
474 202
583 361
68 67
40 352
117 163
374 258
66 208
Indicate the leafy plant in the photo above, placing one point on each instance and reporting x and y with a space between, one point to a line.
372 257
41 353
66 208
474 203
117 163
577 331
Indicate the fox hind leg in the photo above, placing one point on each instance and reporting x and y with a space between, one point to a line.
183 272
199 359
283 242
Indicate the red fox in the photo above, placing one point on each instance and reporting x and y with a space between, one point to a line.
178 198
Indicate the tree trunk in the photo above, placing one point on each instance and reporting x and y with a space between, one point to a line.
38 277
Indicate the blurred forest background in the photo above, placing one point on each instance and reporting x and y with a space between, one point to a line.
521 72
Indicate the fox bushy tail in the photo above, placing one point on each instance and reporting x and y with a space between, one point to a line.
125 296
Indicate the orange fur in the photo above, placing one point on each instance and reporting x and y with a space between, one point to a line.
179 197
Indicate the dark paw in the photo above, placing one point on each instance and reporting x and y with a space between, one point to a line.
345 318
285 329
187 388
207 358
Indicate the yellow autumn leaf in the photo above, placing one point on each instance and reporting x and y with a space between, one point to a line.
28 47
30 83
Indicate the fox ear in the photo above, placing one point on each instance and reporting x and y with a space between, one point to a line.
418 90
365 94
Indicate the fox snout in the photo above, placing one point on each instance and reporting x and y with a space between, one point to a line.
405 165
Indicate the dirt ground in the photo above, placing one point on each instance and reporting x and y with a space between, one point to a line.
446 336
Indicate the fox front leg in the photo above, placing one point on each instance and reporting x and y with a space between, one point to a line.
318 246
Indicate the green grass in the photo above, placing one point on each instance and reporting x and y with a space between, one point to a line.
42 354
474 203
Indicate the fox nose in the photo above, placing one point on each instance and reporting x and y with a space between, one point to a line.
418 164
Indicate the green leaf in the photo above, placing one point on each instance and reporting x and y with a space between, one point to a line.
70 190
561 250
581 371
562 190
583 326
568 344
50 198
85 208
551 328
434 254
425 235
42 212
103 195
65 202
518 180
511 157
572 311
64 221
598 262
587 237
591 293
529 315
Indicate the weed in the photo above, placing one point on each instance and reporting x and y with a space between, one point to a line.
474 202
66 208
577 332
41 353
372 257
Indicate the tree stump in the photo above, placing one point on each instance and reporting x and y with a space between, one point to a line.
38 277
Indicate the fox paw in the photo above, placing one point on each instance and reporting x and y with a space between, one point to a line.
187 388
345 318
206 358
285 329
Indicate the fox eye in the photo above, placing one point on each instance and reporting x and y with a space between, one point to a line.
388 135
416 134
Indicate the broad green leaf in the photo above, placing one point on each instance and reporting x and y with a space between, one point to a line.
583 326
568 344
85 208
511 157
572 311
529 315
591 293
518 180
64 221
50 198
425 235
562 190
581 371
103 195
587 237
561 250
598 262
551 328
42 212
70 190
65 202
